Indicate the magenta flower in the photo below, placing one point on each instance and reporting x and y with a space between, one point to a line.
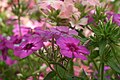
28 46
115 17
44 34
4 49
62 31
8 60
14 41
24 30
69 47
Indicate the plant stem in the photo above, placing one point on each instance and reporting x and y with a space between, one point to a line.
71 67
19 15
53 50
49 65
95 64
102 71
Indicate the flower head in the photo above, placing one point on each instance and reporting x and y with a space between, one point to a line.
69 47
28 46
62 31
8 60
24 30
3 47
115 17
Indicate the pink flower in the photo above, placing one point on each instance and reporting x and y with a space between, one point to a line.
46 4
69 47
28 46
8 60
91 2
115 17
68 9
24 30
79 23
62 31
76 70
87 70
1 79
87 32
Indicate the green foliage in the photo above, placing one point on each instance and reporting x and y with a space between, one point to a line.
99 14
50 75
106 38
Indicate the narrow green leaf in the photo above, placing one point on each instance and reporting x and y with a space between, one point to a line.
50 75
58 65
113 65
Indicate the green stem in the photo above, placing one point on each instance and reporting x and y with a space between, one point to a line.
53 51
49 65
95 65
71 66
102 71
19 15
19 25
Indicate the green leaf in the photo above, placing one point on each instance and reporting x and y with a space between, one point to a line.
94 54
111 62
58 65
61 71
102 46
50 75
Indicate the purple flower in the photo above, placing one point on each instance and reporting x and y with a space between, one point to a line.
106 68
8 60
24 30
14 41
4 49
62 31
69 47
44 34
28 46
116 17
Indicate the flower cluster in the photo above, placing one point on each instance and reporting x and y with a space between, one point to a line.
30 42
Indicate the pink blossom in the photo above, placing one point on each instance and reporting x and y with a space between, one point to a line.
76 70
69 47
46 4
87 69
8 60
23 29
91 2
68 9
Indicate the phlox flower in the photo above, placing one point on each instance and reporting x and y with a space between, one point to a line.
28 46
115 17
8 60
3 47
79 23
91 2
87 70
46 4
4 50
24 30
14 41
44 34
62 31
68 9
70 48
